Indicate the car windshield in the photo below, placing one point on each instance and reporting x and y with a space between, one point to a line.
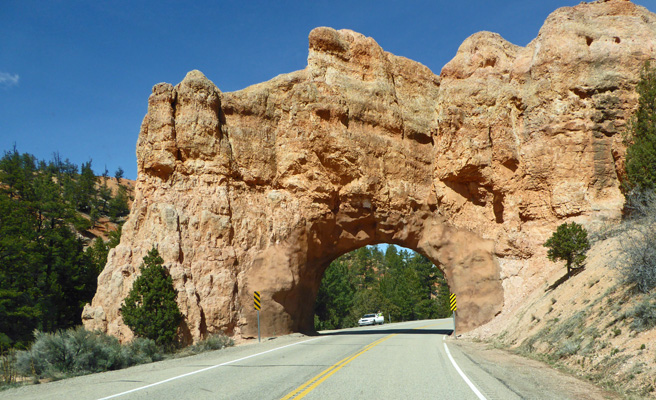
369 315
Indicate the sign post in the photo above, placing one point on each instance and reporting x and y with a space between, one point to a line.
454 307
256 303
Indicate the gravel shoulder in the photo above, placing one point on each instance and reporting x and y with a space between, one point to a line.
526 377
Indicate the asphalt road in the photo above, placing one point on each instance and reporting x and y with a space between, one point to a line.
409 360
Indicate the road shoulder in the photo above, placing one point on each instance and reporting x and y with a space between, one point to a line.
531 378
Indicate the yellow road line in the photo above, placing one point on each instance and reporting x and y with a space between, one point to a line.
317 380
425 326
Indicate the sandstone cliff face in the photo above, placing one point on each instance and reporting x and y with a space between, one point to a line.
262 188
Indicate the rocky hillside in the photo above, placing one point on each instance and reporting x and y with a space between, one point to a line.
105 225
591 324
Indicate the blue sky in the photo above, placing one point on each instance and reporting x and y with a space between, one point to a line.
75 75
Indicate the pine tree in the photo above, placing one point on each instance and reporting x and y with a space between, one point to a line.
119 175
150 309
335 298
641 135
86 188
45 276
404 285
118 206
104 197
99 250
569 243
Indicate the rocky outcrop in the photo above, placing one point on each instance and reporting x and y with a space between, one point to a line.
262 188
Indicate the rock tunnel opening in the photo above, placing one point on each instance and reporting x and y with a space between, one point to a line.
289 275
400 283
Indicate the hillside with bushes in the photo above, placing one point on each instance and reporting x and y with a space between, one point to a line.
57 224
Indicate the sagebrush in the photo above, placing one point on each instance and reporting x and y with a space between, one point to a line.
212 342
644 315
78 352
637 256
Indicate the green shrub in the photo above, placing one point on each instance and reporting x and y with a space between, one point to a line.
568 348
644 316
7 367
142 351
569 243
213 342
78 352
150 309
70 352
641 135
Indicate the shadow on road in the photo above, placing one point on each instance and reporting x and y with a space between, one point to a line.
369 331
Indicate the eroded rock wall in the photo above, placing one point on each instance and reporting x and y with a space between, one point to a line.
262 188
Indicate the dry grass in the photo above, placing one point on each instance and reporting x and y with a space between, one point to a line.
593 325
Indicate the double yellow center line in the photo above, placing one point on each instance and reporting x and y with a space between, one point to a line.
308 386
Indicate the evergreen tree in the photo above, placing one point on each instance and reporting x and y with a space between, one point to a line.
364 261
19 313
119 175
118 206
150 309
45 276
641 135
401 284
86 188
569 243
104 197
99 250
335 298
115 236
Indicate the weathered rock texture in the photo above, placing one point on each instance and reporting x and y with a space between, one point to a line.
262 188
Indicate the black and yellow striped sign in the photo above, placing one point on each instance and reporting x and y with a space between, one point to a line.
256 301
452 301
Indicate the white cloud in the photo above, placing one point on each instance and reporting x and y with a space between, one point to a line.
8 80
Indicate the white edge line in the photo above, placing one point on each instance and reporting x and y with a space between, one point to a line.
203 370
462 374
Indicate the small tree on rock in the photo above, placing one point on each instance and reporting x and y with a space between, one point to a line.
150 309
569 243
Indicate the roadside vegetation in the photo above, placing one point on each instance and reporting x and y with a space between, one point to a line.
47 273
607 335
151 312
76 351
403 285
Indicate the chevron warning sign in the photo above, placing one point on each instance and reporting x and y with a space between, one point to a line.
256 301
452 301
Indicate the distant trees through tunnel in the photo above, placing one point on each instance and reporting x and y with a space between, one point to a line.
400 283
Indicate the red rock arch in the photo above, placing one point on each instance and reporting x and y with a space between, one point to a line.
288 275
260 189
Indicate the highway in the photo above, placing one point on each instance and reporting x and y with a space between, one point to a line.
411 360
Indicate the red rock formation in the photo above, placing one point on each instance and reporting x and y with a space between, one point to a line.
262 188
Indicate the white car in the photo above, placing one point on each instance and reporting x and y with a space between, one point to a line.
372 319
